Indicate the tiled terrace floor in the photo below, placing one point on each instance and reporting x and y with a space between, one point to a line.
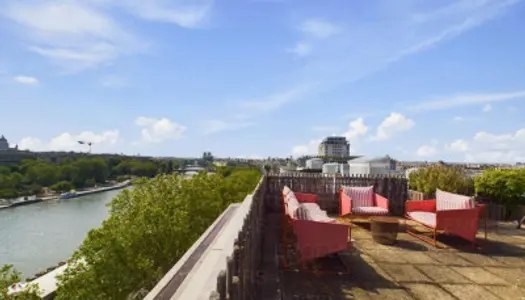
412 269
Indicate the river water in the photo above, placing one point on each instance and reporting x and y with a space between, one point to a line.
37 236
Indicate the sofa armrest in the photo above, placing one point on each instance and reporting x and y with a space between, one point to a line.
318 239
306 198
345 203
461 222
423 205
381 201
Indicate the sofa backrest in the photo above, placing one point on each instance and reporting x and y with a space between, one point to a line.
361 196
449 201
290 201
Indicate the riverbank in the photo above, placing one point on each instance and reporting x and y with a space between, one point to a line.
76 195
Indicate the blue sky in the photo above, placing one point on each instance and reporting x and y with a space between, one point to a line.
419 80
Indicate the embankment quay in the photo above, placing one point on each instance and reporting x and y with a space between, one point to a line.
37 236
34 199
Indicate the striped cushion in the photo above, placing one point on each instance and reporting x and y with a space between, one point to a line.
361 196
286 190
427 218
302 213
448 201
292 203
310 212
370 210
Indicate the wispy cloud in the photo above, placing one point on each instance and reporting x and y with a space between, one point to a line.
277 100
29 80
78 35
301 49
465 100
319 28
113 81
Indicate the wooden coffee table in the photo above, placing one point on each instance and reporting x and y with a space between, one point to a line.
384 229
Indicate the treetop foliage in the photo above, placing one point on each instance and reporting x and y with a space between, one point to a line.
450 179
503 186
149 229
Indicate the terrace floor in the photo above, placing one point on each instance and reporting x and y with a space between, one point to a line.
411 269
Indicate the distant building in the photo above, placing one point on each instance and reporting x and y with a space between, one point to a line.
314 163
335 146
4 144
372 166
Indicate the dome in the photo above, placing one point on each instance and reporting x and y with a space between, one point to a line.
3 139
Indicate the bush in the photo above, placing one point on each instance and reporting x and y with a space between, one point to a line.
62 186
502 186
90 183
10 276
149 229
454 180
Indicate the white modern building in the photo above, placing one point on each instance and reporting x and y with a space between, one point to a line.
372 166
314 164
336 146
331 168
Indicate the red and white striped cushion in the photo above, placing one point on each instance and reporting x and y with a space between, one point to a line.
427 218
361 196
448 201
370 210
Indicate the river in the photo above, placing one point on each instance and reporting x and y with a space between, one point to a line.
37 236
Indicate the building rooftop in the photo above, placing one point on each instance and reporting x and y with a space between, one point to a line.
243 252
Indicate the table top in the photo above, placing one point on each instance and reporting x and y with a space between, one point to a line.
384 219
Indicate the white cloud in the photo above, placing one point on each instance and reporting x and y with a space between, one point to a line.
319 28
176 12
276 101
301 49
356 128
426 151
459 119
490 147
104 141
487 108
308 149
391 126
26 80
466 100
159 130
78 35
214 126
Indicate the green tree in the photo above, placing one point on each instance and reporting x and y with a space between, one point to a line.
148 230
62 186
449 179
8 277
502 186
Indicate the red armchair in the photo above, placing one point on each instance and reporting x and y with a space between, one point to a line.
449 213
361 201
317 234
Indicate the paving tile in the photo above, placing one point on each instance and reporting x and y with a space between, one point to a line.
469 292
428 291
404 273
479 275
506 293
449 258
442 274
479 259
390 294
513 276
512 261
387 256
420 258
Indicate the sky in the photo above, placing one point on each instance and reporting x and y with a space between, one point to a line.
418 80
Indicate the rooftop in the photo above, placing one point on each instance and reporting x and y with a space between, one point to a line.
242 253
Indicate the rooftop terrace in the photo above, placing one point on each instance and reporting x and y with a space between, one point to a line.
241 256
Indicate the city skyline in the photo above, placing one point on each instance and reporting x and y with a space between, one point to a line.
259 78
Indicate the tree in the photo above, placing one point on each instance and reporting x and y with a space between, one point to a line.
448 179
148 230
502 186
62 186
8 277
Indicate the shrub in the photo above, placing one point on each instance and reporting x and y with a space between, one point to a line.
503 186
454 180
62 186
